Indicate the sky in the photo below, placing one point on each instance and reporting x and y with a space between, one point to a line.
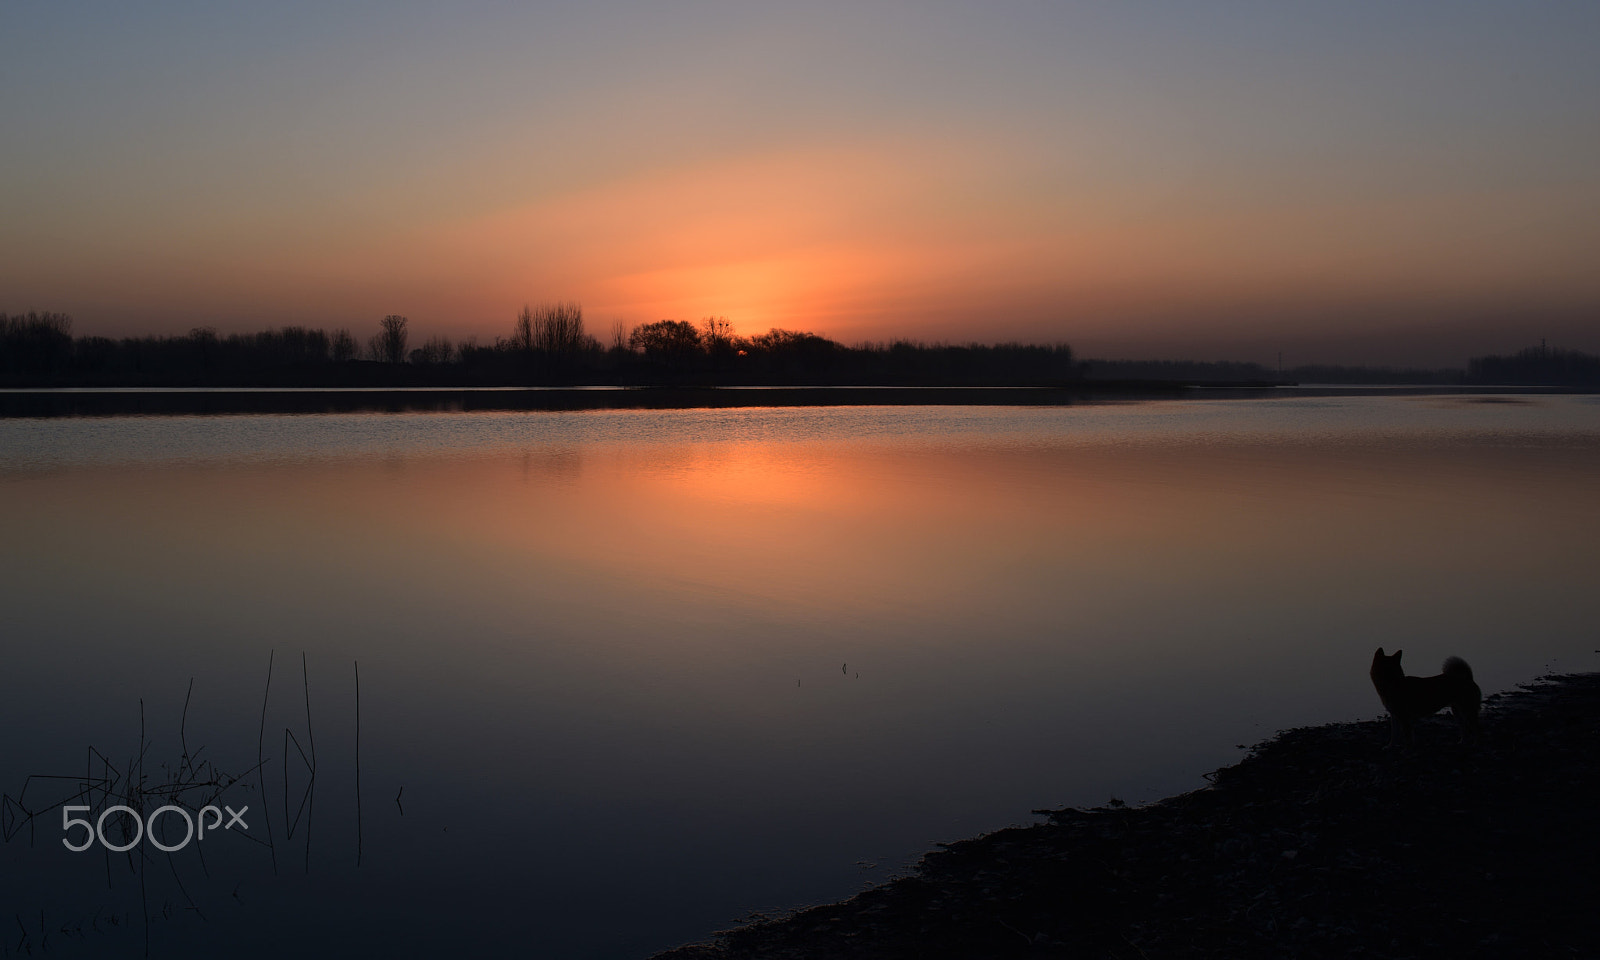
1338 182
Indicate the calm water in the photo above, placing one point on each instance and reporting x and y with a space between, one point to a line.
626 677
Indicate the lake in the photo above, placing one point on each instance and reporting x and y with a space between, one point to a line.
628 676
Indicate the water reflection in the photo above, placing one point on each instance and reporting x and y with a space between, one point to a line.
631 675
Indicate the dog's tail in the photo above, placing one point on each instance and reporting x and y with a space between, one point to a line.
1456 669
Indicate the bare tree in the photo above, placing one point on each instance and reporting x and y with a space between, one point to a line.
558 328
522 335
553 329
438 350
342 347
716 333
35 341
389 345
717 336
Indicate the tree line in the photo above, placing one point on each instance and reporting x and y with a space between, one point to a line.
1537 365
548 344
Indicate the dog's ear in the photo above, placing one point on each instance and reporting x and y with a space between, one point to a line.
1378 655
1396 655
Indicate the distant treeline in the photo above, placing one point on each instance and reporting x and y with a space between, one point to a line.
1537 365
1194 371
550 345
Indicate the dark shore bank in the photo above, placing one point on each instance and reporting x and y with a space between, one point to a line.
318 400
1321 843
206 401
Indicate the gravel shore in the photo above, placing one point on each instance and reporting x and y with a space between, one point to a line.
1320 843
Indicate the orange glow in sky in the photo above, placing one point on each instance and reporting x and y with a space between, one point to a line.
1346 182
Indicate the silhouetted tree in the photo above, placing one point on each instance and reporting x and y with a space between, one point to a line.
288 346
206 345
789 355
1540 365
389 344
549 345
522 333
438 350
666 339
342 347
716 335
789 342
552 329
35 342
558 328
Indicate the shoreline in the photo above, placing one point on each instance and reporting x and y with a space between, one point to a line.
1321 842
58 402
